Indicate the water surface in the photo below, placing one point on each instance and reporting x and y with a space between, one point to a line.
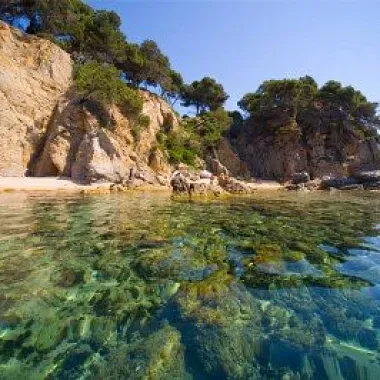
283 286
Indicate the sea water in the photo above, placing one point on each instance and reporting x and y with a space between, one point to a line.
143 286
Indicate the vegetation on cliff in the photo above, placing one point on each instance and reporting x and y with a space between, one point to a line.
196 136
293 98
103 84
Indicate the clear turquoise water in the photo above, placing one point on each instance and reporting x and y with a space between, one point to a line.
285 286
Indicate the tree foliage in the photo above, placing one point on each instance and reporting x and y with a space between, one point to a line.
204 95
102 83
196 136
174 88
348 100
274 97
212 127
290 97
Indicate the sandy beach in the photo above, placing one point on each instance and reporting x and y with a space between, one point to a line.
46 184
51 184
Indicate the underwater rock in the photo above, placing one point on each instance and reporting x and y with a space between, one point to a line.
155 357
368 338
67 276
222 341
72 364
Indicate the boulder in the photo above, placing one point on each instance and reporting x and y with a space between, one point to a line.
328 182
78 146
367 176
205 174
217 168
179 184
235 186
302 177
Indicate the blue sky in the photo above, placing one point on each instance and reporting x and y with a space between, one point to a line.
242 43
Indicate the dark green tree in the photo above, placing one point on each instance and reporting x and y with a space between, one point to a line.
297 98
101 37
280 97
156 68
212 127
102 83
204 95
348 100
174 88
131 62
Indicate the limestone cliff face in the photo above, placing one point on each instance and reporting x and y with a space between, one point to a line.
77 146
321 143
34 74
47 129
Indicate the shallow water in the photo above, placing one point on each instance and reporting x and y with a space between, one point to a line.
283 286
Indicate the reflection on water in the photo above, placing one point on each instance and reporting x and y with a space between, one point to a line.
144 287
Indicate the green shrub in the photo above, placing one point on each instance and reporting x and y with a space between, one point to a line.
180 148
141 123
194 137
214 124
102 84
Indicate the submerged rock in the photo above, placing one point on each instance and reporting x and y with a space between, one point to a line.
67 276
156 356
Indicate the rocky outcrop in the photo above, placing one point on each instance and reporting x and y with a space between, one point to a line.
78 146
34 73
48 129
228 158
317 142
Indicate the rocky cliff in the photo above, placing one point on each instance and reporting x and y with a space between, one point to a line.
34 74
77 146
322 143
48 129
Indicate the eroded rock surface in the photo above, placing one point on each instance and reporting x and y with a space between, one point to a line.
320 143
78 146
34 73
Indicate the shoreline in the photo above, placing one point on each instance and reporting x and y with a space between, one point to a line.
66 185
46 184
